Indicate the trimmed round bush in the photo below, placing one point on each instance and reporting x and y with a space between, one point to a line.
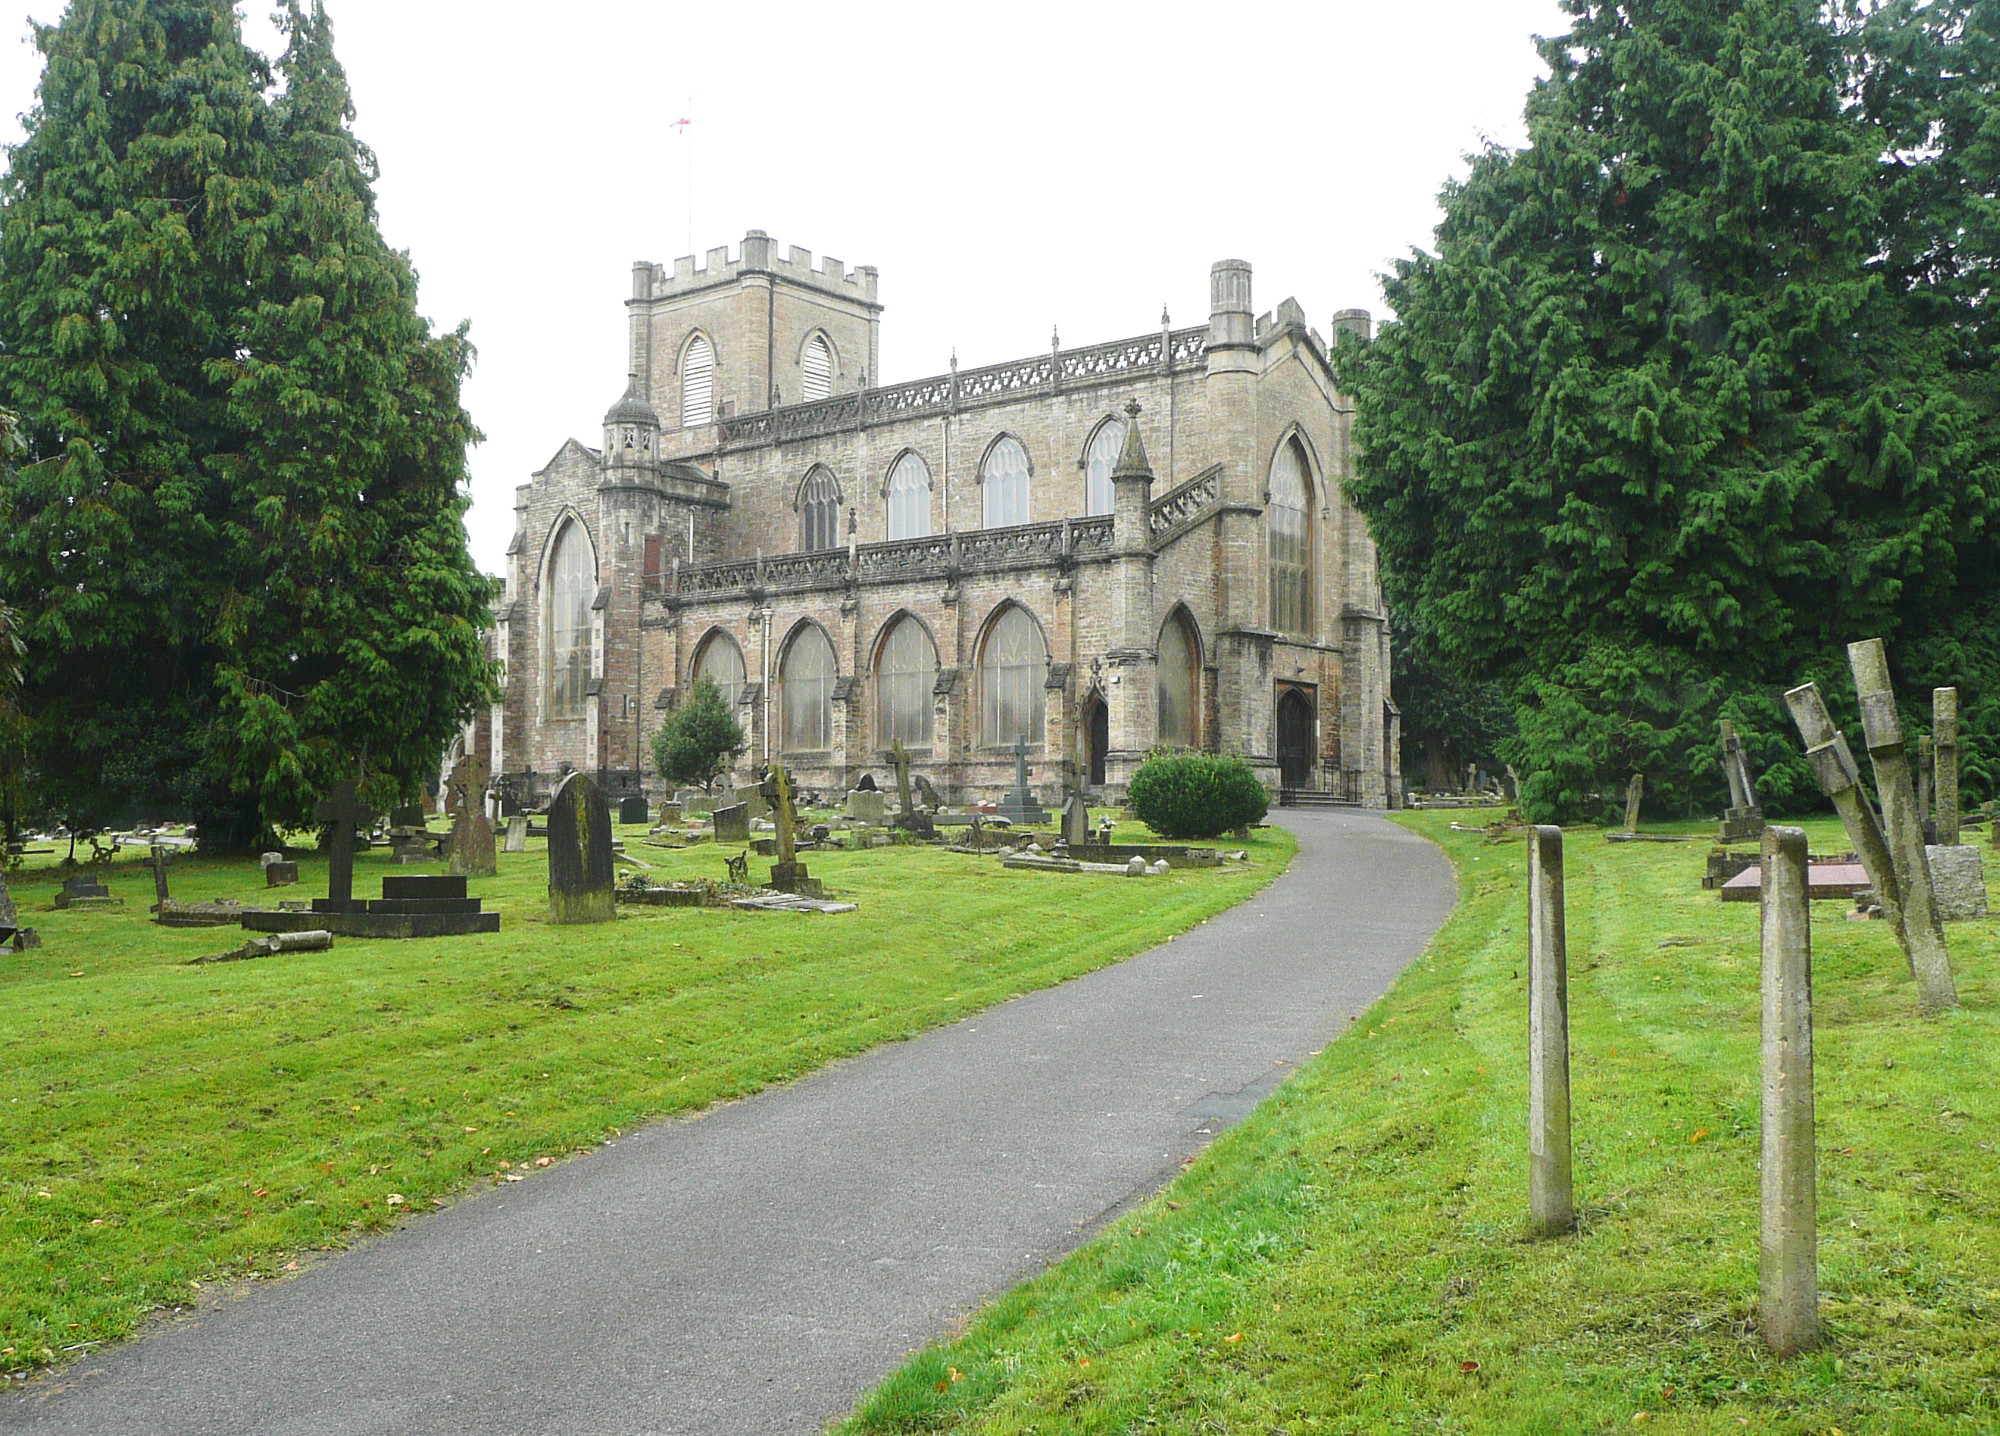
1197 795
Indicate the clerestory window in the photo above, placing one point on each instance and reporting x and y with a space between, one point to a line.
1003 480
909 498
1102 458
819 510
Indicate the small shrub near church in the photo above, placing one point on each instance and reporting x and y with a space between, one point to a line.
700 739
1197 795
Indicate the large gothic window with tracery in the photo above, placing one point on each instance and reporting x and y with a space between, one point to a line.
816 369
697 382
1012 668
1105 446
909 498
819 510
805 692
1003 481
905 674
1288 520
721 663
1180 683
570 591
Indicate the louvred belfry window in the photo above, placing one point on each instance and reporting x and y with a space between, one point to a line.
697 382
816 381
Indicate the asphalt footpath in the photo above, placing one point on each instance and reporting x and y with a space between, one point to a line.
757 1269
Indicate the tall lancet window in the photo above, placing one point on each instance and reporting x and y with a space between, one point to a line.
905 675
1180 683
816 364
568 595
819 510
805 691
1288 520
721 663
697 382
1098 464
1003 481
909 498
1012 668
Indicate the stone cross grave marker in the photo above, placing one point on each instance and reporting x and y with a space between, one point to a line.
343 811
1788 1269
471 830
1745 819
1551 1195
788 874
1882 729
159 860
1020 804
580 868
1839 777
902 759
909 818
1944 748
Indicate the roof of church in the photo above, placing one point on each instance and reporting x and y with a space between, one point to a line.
631 408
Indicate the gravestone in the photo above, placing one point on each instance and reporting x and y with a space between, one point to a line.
580 869
1075 822
341 812
731 824
1020 805
1882 728
1551 1195
788 874
159 860
927 796
866 785
517 834
280 873
86 890
865 805
1635 791
1944 746
633 809
1958 878
693 802
10 922
1788 1272
471 830
413 905
908 818
1744 820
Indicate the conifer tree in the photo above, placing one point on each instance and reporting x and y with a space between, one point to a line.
236 542
1654 434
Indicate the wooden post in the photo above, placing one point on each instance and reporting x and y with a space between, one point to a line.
1788 1270
1883 731
1944 749
1551 1196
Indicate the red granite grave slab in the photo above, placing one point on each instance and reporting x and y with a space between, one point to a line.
1823 880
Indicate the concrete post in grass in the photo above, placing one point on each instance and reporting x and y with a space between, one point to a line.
1551 1197
1944 750
1839 778
1788 1269
1882 729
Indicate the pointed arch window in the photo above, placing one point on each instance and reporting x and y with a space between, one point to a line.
1288 521
805 692
909 498
1180 683
721 663
1003 481
697 382
1102 458
1012 669
816 380
905 674
569 593
819 510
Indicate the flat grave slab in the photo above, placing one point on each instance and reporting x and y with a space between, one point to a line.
429 905
1823 880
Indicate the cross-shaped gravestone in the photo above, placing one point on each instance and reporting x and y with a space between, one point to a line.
783 815
1020 762
471 830
161 859
345 811
902 775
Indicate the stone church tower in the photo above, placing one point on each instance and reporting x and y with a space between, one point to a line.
1096 551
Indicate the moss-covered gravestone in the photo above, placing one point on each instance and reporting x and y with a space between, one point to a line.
471 830
580 878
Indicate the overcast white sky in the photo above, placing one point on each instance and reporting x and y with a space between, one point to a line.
1008 168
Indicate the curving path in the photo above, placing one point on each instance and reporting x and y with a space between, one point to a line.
755 1270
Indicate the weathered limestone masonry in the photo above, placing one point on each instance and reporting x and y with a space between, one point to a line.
1096 550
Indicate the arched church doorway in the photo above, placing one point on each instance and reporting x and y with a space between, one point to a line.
1297 732
1096 740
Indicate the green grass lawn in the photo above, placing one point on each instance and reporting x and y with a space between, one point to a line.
170 1126
1351 1258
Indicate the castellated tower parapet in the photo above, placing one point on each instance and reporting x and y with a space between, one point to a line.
758 254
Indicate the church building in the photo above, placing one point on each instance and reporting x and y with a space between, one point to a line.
1094 552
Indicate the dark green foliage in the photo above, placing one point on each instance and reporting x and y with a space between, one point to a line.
237 545
1699 386
1449 720
1197 795
700 739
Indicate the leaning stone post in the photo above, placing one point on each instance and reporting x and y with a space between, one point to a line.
1944 749
1551 1198
1840 779
1883 731
1788 1271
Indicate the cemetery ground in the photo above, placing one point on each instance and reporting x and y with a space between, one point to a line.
1352 1258
174 1130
